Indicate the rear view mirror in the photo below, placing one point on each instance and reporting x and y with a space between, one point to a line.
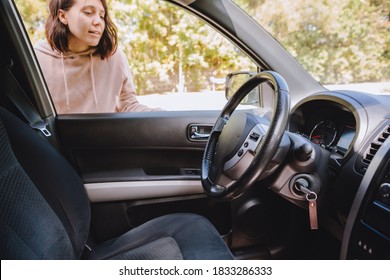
235 80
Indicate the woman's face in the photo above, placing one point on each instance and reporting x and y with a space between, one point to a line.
85 20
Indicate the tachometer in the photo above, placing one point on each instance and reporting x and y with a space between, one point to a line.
324 133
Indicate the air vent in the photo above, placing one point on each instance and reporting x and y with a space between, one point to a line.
373 148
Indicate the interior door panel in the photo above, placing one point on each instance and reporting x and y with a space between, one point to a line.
134 146
137 166
132 163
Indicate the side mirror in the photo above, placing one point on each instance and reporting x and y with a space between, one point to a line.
235 80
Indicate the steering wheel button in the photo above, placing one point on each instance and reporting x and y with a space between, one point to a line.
254 136
246 144
240 152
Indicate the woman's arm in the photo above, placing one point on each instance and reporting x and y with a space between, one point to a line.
127 100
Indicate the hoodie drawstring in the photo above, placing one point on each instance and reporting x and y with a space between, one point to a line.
65 82
93 81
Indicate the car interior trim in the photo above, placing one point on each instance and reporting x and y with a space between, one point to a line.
28 59
355 107
115 191
369 178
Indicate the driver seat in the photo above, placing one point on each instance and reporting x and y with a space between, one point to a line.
45 211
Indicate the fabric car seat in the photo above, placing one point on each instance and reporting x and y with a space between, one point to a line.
45 211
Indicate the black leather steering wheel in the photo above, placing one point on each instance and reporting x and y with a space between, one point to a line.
241 146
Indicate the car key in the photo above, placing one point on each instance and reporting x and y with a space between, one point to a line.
303 186
312 199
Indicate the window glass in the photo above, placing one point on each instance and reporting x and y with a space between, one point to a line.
177 61
344 44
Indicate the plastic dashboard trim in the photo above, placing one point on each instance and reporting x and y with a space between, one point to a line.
372 172
354 106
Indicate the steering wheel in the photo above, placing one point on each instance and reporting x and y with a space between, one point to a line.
242 145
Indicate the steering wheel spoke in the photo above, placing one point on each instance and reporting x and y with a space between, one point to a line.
236 166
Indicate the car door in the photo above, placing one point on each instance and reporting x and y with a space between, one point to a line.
140 165
137 166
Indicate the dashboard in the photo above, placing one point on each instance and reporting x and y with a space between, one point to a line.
367 232
326 123
354 128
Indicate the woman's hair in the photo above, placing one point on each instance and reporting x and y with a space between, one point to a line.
57 32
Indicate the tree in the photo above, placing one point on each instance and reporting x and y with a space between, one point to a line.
338 41
166 44
34 14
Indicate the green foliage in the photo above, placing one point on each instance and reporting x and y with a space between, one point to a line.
338 41
169 49
34 14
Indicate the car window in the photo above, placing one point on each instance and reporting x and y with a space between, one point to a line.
344 44
177 61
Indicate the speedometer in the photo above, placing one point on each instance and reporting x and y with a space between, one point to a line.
324 133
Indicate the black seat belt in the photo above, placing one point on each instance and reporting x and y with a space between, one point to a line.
18 97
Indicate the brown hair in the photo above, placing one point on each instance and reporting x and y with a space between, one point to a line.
57 32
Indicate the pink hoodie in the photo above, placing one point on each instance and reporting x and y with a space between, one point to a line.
83 83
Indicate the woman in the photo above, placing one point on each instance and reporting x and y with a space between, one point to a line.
83 68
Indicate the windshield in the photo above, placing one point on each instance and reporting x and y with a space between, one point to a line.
344 44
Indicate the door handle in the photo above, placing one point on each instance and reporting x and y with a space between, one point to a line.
199 136
199 132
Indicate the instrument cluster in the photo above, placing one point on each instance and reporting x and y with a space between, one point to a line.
327 124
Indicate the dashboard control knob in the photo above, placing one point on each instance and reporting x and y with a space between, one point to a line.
384 190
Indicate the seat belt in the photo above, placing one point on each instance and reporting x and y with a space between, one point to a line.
19 98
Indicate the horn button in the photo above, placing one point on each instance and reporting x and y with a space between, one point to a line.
237 144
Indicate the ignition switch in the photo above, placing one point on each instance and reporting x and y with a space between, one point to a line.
302 185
